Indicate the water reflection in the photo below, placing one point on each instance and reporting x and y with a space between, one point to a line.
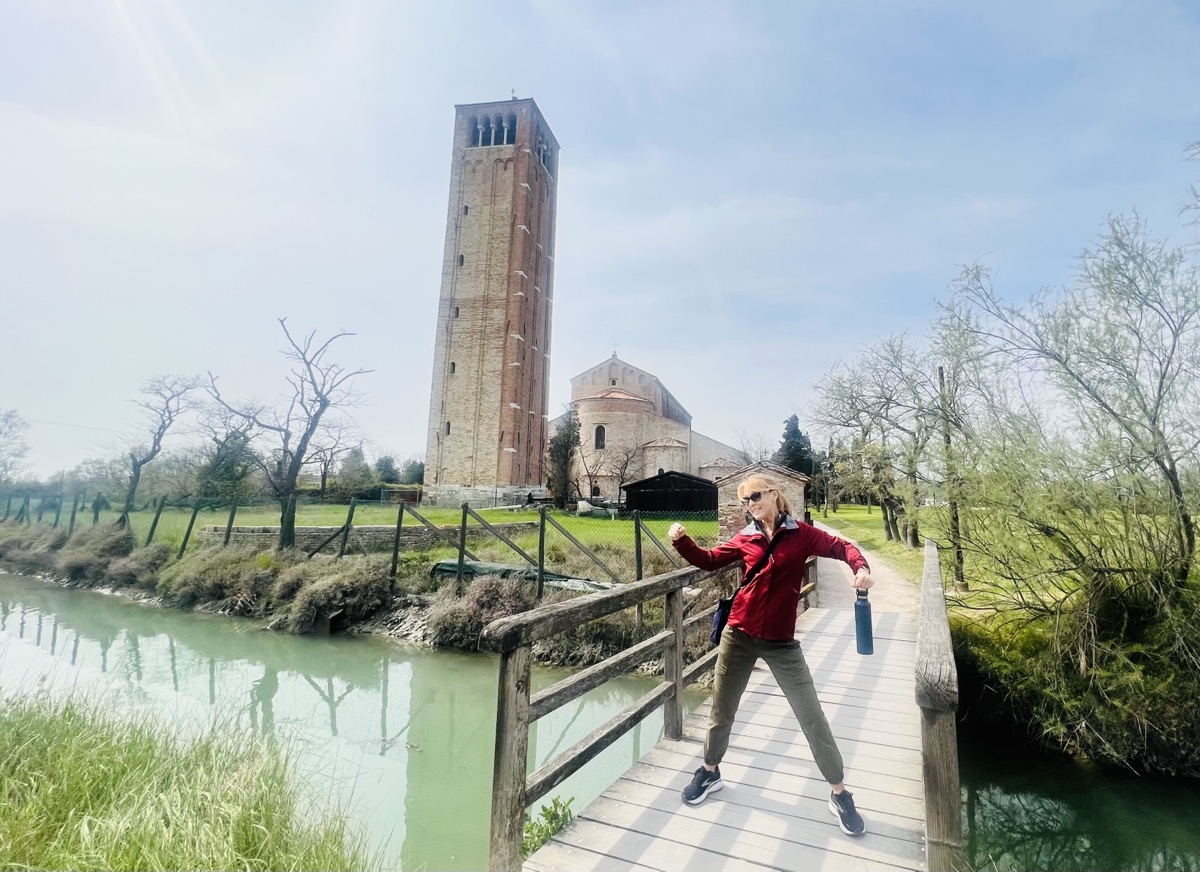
1028 812
401 736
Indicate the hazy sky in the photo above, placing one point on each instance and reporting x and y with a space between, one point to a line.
748 191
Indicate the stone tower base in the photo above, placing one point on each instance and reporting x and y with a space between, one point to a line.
455 495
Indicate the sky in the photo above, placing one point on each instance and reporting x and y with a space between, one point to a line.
748 192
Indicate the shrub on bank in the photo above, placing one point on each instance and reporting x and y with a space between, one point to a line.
30 549
456 622
352 589
86 791
85 558
237 579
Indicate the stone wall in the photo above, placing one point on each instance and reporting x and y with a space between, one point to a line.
479 497
413 535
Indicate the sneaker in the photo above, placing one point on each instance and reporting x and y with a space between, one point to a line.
842 805
703 783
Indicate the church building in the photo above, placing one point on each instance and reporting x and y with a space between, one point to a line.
487 409
631 427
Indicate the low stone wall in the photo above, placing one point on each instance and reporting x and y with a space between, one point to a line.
456 495
374 537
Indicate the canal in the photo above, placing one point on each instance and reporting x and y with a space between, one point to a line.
400 735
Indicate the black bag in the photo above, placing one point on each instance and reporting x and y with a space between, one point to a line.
725 606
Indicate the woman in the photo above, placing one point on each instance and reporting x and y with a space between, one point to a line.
762 624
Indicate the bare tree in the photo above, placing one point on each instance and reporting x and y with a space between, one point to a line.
318 384
168 397
333 441
13 446
753 447
593 463
624 462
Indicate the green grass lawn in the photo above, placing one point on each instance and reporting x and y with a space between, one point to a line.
866 529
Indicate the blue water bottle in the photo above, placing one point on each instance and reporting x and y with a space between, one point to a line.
862 623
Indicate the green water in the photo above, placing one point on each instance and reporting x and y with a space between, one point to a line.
401 735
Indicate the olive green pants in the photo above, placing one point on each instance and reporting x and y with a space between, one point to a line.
735 660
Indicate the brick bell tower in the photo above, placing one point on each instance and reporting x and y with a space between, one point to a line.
487 408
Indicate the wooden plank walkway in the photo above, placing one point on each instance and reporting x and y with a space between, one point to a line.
773 811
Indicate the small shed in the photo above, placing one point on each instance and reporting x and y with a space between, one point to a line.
672 491
732 514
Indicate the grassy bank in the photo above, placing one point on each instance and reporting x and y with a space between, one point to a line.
865 527
82 790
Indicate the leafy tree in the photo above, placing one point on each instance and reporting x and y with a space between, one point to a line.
795 449
559 456
354 477
226 472
386 470
412 471
317 385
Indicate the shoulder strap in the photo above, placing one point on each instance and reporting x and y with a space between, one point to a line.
761 562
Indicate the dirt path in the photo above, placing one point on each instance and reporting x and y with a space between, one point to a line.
892 592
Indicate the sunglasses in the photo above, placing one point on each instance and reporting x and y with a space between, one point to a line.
751 498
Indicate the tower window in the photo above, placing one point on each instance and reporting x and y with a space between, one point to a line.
456 311
447 428
473 134
452 367
599 436
510 133
466 209
461 260
612 381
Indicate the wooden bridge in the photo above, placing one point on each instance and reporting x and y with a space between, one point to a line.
892 713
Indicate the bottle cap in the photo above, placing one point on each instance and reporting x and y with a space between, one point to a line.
860 592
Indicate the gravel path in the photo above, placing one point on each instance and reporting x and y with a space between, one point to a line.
892 592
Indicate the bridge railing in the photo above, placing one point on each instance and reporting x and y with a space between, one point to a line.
937 697
516 709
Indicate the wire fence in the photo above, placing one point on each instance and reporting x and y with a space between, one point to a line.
549 548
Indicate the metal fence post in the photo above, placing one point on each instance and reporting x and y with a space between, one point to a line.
462 548
162 503
396 551
541 566
346 528
233 507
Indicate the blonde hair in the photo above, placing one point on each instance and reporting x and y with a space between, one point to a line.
758 482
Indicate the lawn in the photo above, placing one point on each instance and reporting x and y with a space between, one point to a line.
865 528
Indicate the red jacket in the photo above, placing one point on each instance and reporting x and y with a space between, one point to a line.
766 608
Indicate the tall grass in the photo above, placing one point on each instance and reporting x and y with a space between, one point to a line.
82 790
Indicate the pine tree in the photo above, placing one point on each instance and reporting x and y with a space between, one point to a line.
795 449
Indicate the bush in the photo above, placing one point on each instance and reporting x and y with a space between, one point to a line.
456 622
239 579
30 549
352 590
86 556
141 567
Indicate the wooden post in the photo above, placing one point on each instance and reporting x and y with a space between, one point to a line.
7 507
74 509
541 574
508 768
25 511
96 509
395 551
41 509
346 527
58 510
188 533
229 524
937 696
462 549
639 567
673 667
162 503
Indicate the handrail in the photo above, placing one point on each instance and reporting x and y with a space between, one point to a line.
513 637
937 697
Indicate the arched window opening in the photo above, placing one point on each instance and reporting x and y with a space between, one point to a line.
612 381
510 133
599 436
466 209
447 428
456 311
485 131
473 133
660 469
595 490
498 126
452 367
461 260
